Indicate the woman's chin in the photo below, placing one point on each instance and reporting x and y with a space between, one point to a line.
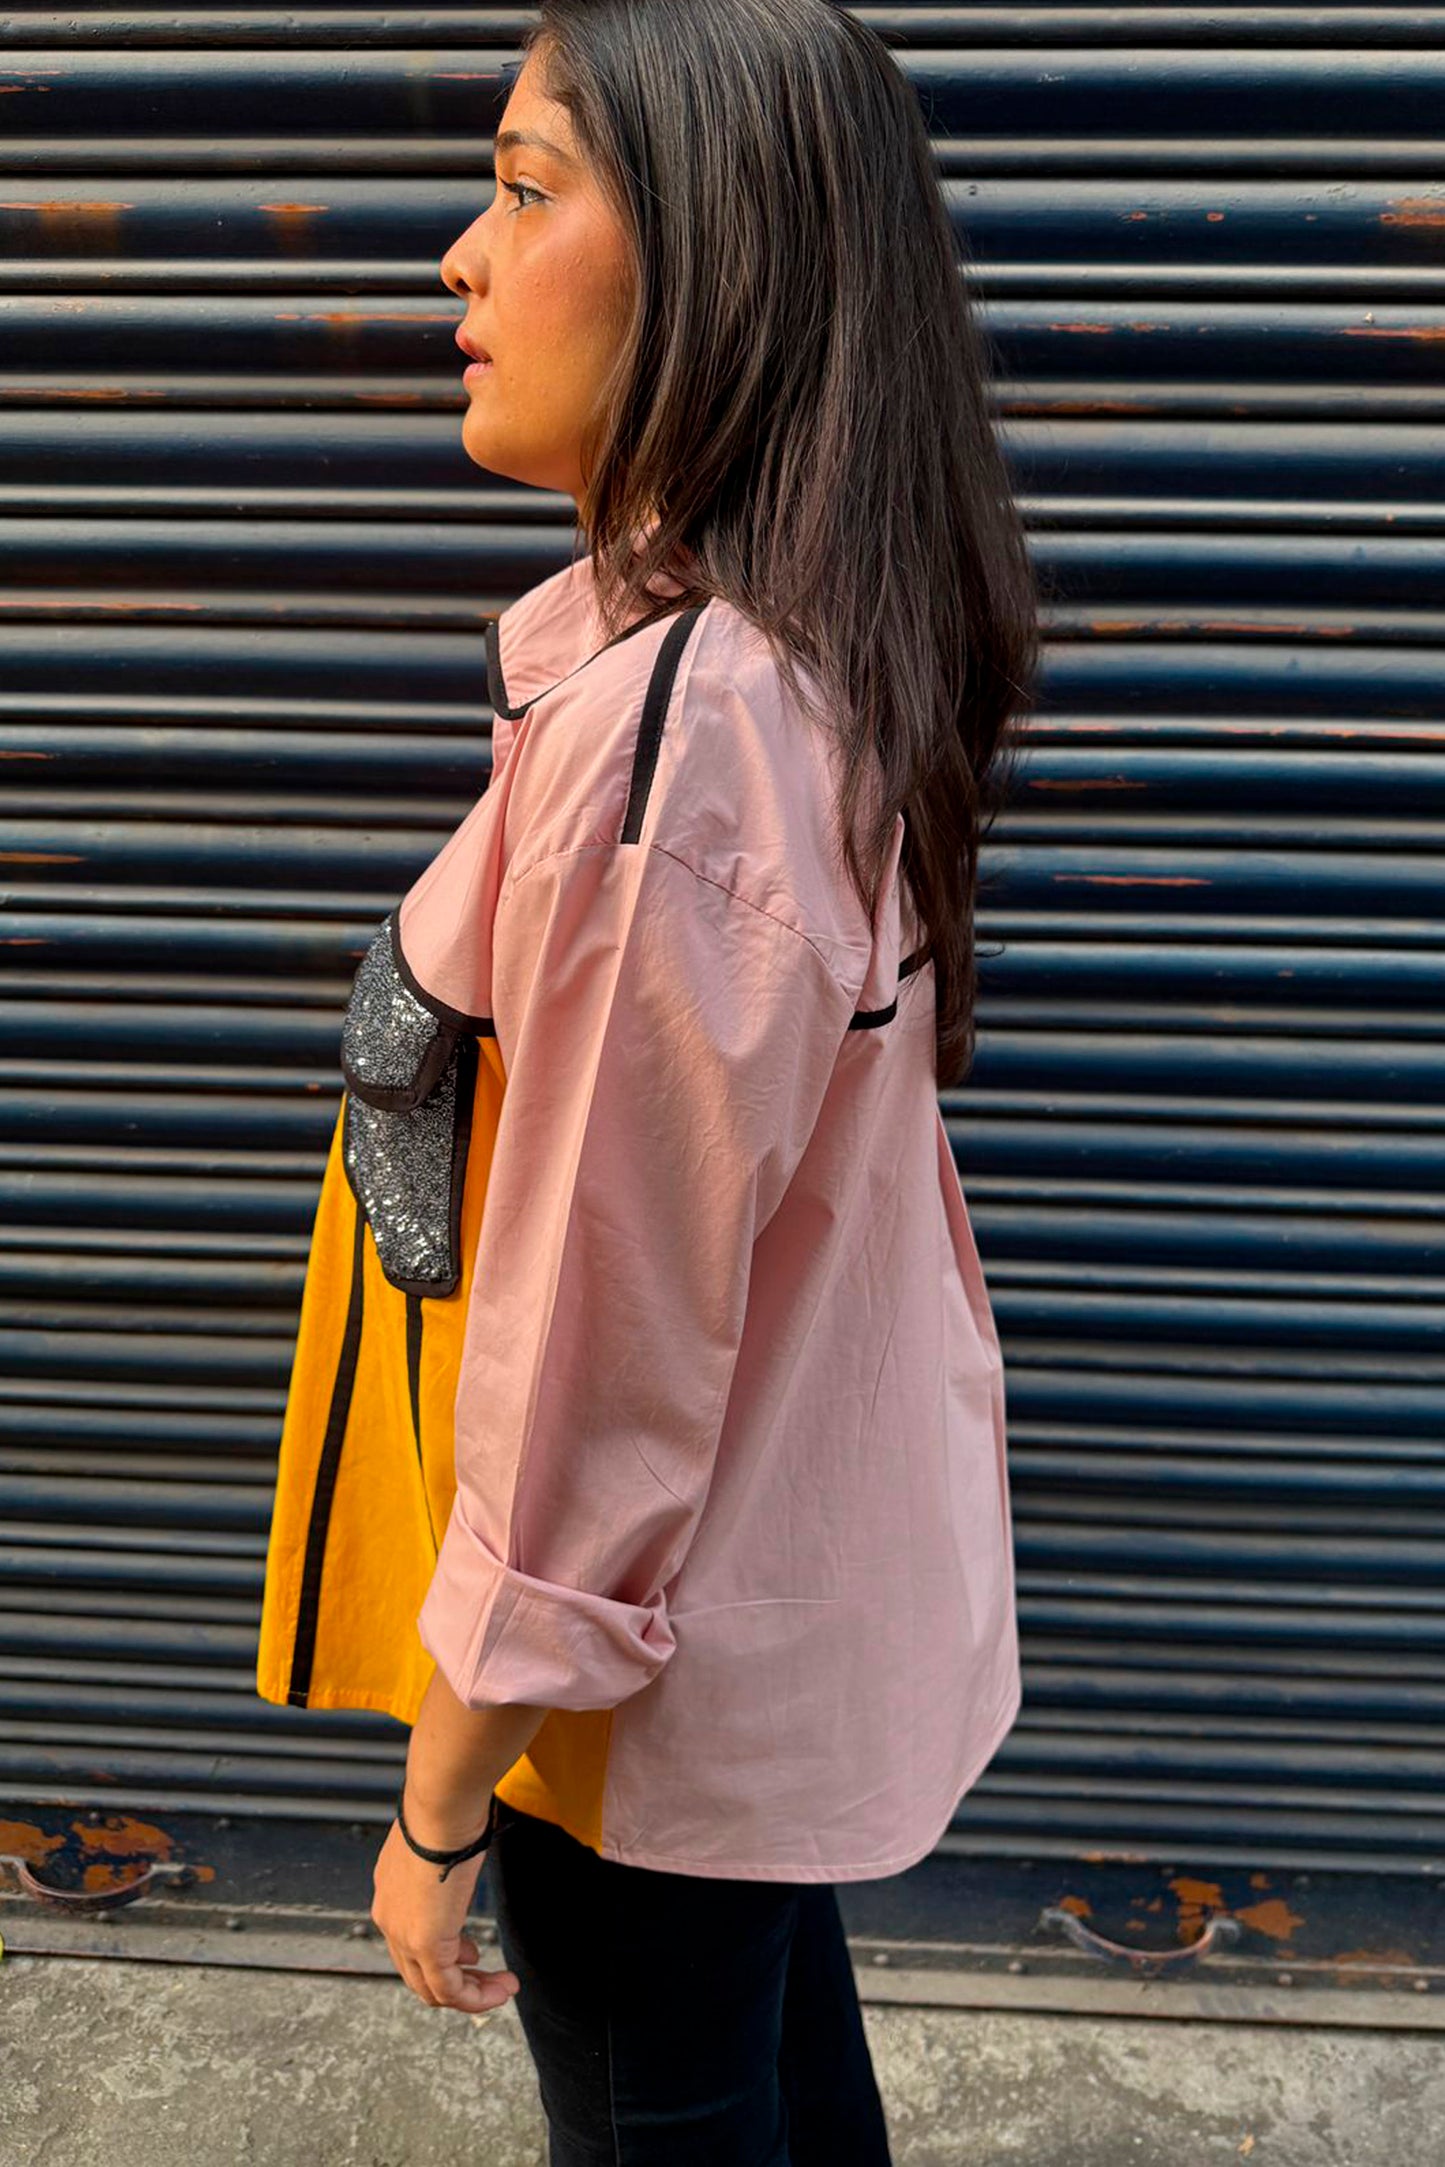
483 446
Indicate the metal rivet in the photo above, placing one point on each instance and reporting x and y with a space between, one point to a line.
1301 1881
1017 1964
234 1925
881 1956
1285 1978
358 1929
1421 1986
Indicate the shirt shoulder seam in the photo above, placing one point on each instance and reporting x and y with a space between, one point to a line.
660 850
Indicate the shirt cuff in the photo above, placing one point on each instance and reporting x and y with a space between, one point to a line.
501 1638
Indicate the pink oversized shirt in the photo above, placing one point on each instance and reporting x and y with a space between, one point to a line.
730 1436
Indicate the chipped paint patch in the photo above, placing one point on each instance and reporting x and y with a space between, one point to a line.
1273 1917
1196 1900
1415 211
22 1839
1395 331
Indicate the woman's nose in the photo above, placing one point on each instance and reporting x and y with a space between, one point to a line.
463 267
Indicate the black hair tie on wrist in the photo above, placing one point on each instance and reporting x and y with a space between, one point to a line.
447 1859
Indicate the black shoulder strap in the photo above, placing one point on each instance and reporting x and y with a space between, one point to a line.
654 714
868 1019
644 764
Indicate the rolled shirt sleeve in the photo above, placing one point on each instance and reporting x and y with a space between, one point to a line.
667 1047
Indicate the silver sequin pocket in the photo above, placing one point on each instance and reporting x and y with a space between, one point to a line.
410 1074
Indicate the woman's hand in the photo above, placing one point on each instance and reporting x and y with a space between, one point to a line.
421 1917
457 1755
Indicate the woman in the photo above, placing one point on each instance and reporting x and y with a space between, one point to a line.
723 1614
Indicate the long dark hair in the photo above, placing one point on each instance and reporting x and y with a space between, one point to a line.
798 415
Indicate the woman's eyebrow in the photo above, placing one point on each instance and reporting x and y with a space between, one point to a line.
523 139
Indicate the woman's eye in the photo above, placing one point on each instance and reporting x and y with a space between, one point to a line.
520 189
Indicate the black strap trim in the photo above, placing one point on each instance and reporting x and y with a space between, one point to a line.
654 714
415 1317
456 1019
303 1651
868 1019
468 1056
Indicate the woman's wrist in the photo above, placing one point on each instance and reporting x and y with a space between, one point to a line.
456 1758
443 1824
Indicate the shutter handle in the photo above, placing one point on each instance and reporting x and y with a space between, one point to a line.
89 1900
1149 1962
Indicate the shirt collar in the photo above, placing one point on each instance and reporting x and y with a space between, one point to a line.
549 632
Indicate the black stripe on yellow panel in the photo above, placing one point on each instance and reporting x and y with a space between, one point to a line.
304 1651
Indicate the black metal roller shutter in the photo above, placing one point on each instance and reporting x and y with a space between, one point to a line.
242 700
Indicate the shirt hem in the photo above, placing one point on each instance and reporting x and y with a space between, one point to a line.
855 1870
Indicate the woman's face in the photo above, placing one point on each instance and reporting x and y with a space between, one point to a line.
546 275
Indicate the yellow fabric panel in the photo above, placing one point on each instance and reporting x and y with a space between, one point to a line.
392 1497
379 1553
313 1373
560 1776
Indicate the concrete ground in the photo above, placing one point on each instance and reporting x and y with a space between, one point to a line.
125 2064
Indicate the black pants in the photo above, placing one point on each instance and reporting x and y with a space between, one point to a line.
680 2021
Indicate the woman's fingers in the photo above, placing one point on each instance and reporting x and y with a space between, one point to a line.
472 1989
454 1981
414 1975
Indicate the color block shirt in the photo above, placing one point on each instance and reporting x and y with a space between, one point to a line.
732 1496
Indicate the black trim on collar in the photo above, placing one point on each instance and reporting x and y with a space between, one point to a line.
496 689
496 683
